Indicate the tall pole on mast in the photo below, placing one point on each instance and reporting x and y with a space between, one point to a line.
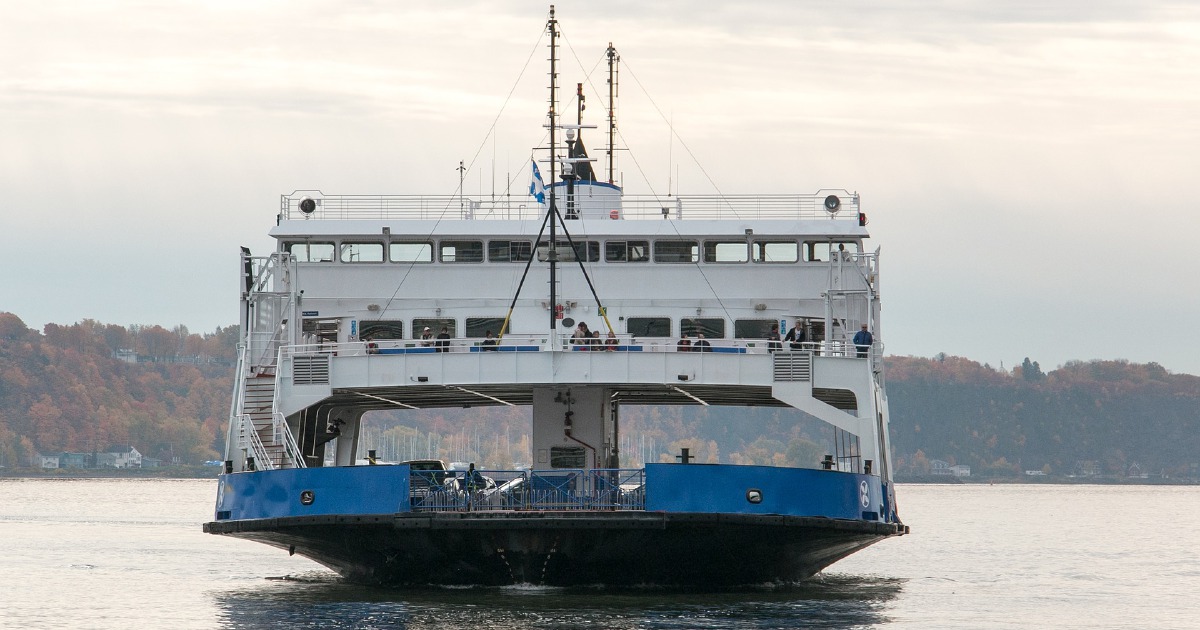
613 60
552 256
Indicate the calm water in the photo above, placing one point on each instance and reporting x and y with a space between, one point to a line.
130 553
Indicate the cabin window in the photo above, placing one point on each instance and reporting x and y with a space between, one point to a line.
648 326
479 326
712 327
820 251
754 328
380 329
461 251
587 251
776 251
435 325
319 330
361 252
310 252
627 251
410 252
509 251
726 252
676 251
567 457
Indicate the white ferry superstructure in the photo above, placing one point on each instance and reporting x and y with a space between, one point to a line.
332 325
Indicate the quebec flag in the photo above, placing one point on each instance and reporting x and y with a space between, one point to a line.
536 188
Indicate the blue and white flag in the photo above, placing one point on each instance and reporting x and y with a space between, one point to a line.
536 188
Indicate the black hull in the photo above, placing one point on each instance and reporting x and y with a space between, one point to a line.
566 548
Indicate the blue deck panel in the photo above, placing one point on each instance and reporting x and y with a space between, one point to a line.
723 488
341 490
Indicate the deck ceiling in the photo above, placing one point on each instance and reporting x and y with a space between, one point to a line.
442 396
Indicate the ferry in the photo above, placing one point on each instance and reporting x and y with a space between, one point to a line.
405 303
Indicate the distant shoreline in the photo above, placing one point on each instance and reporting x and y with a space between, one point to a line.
1046 480
163 472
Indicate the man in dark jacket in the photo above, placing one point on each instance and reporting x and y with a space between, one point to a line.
862 341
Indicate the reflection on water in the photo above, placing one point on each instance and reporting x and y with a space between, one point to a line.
319 599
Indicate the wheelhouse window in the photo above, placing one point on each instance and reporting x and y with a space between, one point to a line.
587 251
479 326
712 327
676 251
754 328
361 252
627 251
776 251
461 251
435 325
822 251
410 252
310 252
648 326
381 329
725 252
509 251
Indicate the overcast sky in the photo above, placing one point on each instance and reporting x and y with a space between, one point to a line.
1030 169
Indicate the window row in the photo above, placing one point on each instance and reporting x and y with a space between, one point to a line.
476 327
520 251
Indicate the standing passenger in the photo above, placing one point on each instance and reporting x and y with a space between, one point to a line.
863 340
443 340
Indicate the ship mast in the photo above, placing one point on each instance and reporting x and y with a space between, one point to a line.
613 60
552 256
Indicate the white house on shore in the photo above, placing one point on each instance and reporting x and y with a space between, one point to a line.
938 467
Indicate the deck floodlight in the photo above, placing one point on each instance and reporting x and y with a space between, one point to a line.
308 205
832 204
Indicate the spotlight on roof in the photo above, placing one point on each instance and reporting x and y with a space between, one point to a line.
832 204
309 206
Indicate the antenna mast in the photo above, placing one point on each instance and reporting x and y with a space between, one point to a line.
552 256
613 60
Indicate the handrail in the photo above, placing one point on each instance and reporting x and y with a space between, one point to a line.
248 433
521 207
236 405
534 343
524 490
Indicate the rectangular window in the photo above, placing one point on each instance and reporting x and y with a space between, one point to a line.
567 457
361 252
509 251
587 251
461 251
627 251
434 324
676 251
310 252
725 252
479 326
755 328
380 329
820 252
712 327
648 326
776 251
410 252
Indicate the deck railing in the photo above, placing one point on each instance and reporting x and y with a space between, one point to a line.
517 490
625 344
522 207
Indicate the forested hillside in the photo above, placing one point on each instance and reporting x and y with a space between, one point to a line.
1113 413
87 386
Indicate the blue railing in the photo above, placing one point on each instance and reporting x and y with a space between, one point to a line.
514 490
